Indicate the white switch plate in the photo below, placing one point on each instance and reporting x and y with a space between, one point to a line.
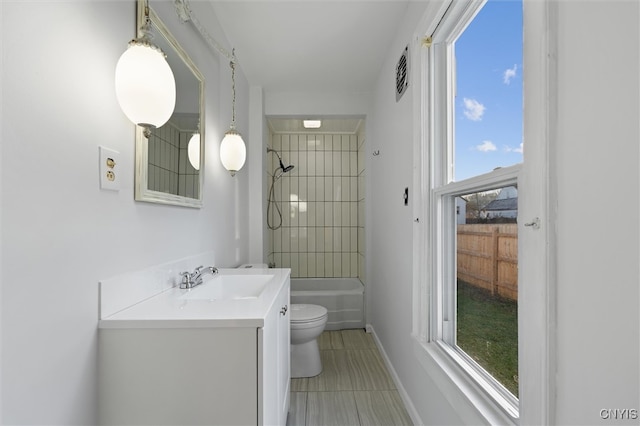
109 169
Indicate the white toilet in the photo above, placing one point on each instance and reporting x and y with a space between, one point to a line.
307 322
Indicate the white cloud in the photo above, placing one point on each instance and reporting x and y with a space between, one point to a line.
509 74
473 109
486 146
519 149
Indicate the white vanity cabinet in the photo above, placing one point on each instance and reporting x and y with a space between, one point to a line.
188 371
274 373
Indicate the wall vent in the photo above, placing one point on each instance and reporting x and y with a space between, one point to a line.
402 74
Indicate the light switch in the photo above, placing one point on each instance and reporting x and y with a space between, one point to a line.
109 169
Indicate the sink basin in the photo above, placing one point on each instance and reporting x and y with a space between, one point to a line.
229 287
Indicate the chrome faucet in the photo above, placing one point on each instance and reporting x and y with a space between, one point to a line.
192 279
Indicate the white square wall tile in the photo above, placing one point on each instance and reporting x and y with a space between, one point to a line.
353 164
354 265
328 163
353 231
353 210
286 146
303 265
337 214
320 214
328 240
328 143
276 236
353 142
320 265
294 239
276 143
311 163
293 143
303 188
328 265
303 237
336 159
337 189
346 240
345 187
319 189
328 189
311 266
345 160
328 214
286 239
320 239
301 164
346 265
295 266
311 239
337 264
337 240
345 144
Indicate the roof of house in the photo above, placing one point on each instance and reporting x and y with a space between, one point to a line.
503 204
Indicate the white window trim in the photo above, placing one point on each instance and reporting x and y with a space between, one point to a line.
537 274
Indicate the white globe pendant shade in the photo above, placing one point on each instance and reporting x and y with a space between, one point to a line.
233 153
193 151
145 85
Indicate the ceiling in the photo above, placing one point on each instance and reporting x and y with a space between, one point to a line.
311 45
329 125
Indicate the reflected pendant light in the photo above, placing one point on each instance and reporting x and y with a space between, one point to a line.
145 85
193 151
233 152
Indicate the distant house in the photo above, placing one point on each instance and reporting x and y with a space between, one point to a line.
461 211
505 204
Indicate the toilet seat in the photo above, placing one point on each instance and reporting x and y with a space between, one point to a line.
304 313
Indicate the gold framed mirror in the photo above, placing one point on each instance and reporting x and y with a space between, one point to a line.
166 172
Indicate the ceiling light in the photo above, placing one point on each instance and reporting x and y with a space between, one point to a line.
311 124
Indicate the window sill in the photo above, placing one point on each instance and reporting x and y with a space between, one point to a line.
471 401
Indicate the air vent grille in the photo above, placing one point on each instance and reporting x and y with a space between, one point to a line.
402 74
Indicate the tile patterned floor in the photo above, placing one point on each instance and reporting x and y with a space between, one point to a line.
354 387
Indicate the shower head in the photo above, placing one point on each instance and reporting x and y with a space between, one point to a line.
282 166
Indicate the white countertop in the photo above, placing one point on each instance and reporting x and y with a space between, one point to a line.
167 310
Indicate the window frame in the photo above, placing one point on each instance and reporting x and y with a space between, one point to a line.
537 273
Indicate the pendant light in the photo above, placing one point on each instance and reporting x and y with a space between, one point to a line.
193 151
233 152
145 85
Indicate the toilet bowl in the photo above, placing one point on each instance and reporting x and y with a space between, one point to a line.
307 322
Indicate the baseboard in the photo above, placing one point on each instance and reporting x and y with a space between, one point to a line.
408 404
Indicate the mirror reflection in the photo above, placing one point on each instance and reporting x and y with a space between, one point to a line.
169 162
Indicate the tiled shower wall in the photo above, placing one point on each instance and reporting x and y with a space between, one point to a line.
319 200
361 205
169 168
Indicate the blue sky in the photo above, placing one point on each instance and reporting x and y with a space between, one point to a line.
488 111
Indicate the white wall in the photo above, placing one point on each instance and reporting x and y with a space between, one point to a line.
60 233
595 152
390 130
597 155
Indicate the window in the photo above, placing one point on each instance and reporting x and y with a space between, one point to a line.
475 143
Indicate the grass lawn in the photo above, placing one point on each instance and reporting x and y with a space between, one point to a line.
488 332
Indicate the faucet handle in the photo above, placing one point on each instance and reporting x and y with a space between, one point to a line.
198 269
186 280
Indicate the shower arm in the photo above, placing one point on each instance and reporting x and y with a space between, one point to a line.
284 169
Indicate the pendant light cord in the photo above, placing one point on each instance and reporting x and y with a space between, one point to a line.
185 14
232 64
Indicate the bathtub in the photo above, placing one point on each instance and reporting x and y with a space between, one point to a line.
343 298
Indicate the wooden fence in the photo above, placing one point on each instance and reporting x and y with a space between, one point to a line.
488 257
